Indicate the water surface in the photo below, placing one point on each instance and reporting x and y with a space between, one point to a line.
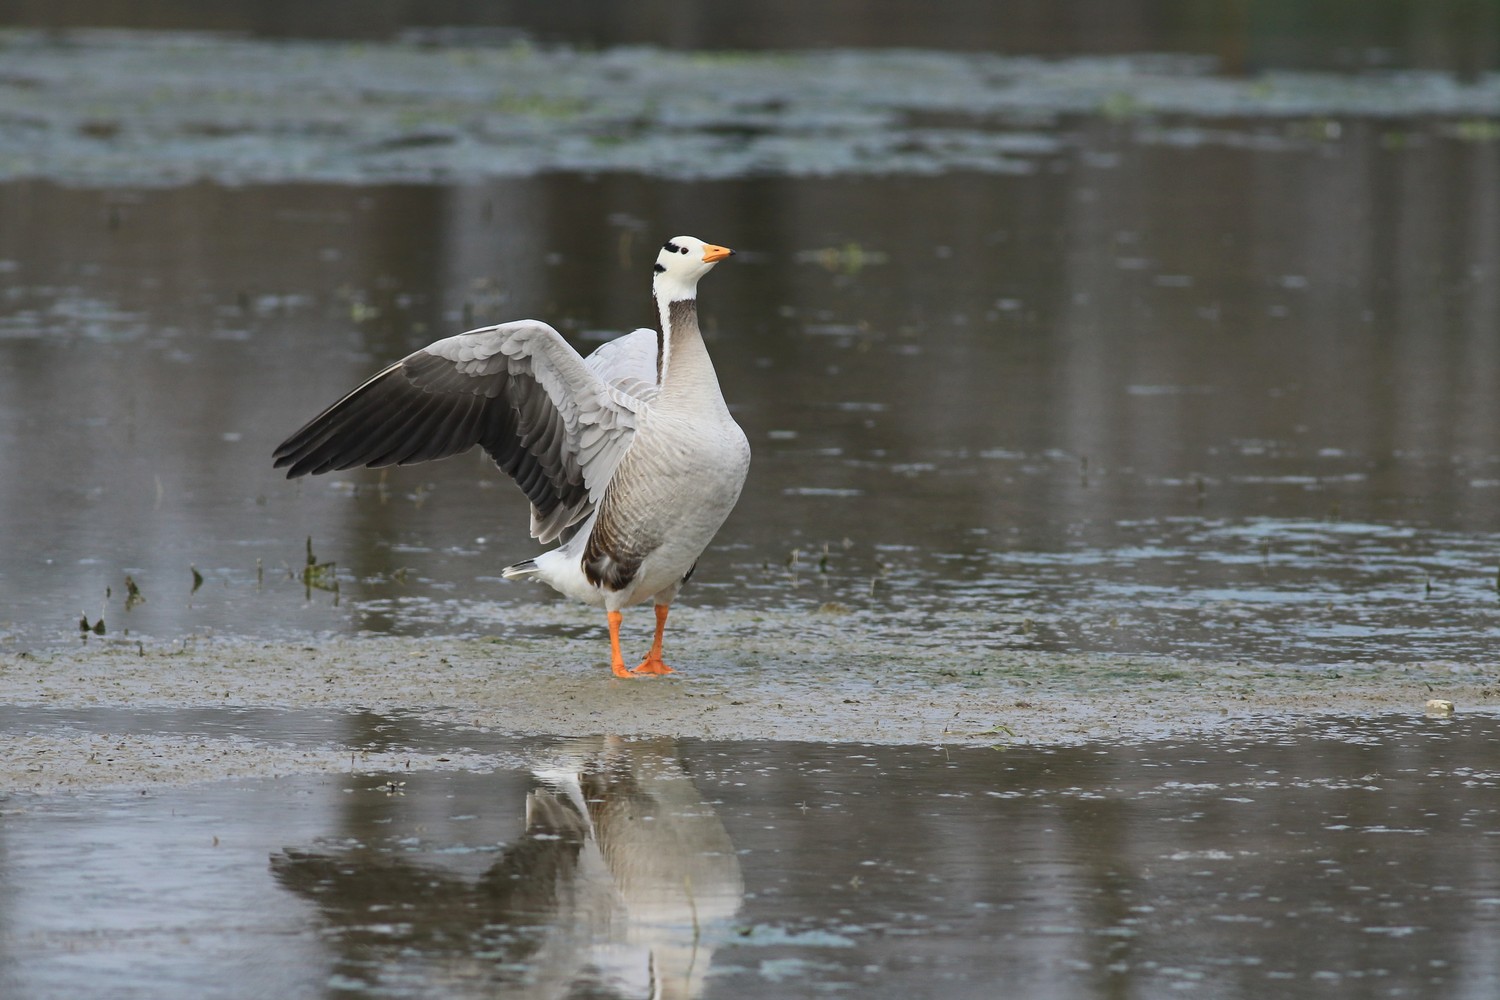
1088 400
1163 353
1345 857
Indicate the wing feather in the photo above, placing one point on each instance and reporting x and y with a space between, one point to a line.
423 428
552 421
629 362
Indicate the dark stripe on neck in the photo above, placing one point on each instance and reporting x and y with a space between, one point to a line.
683 312
681 315
661 345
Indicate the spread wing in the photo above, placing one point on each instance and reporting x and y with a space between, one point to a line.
629 362
547 417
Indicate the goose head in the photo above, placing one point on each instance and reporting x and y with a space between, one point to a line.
682 261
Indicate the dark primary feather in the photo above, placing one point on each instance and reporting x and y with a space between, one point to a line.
424 408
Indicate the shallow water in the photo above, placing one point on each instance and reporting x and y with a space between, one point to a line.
1086 399
1345 857
1179 343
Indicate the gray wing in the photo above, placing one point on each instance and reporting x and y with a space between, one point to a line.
546 417
630 363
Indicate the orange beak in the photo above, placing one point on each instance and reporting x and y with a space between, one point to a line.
712 253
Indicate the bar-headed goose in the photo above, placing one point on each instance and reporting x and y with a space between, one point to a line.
629 457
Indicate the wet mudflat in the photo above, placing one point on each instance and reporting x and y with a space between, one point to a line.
1345 857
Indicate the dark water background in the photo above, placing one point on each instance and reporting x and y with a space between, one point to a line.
1245 36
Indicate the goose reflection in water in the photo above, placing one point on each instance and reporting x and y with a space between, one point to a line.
624 879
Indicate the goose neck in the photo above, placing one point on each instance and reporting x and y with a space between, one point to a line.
683 365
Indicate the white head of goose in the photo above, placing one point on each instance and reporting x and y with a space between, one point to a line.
629 457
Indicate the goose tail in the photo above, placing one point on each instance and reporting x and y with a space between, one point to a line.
520 570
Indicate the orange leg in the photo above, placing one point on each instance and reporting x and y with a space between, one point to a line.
616 661
653 664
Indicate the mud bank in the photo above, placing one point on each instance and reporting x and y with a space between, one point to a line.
828 684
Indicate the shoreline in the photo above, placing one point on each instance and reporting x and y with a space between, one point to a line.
830 687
